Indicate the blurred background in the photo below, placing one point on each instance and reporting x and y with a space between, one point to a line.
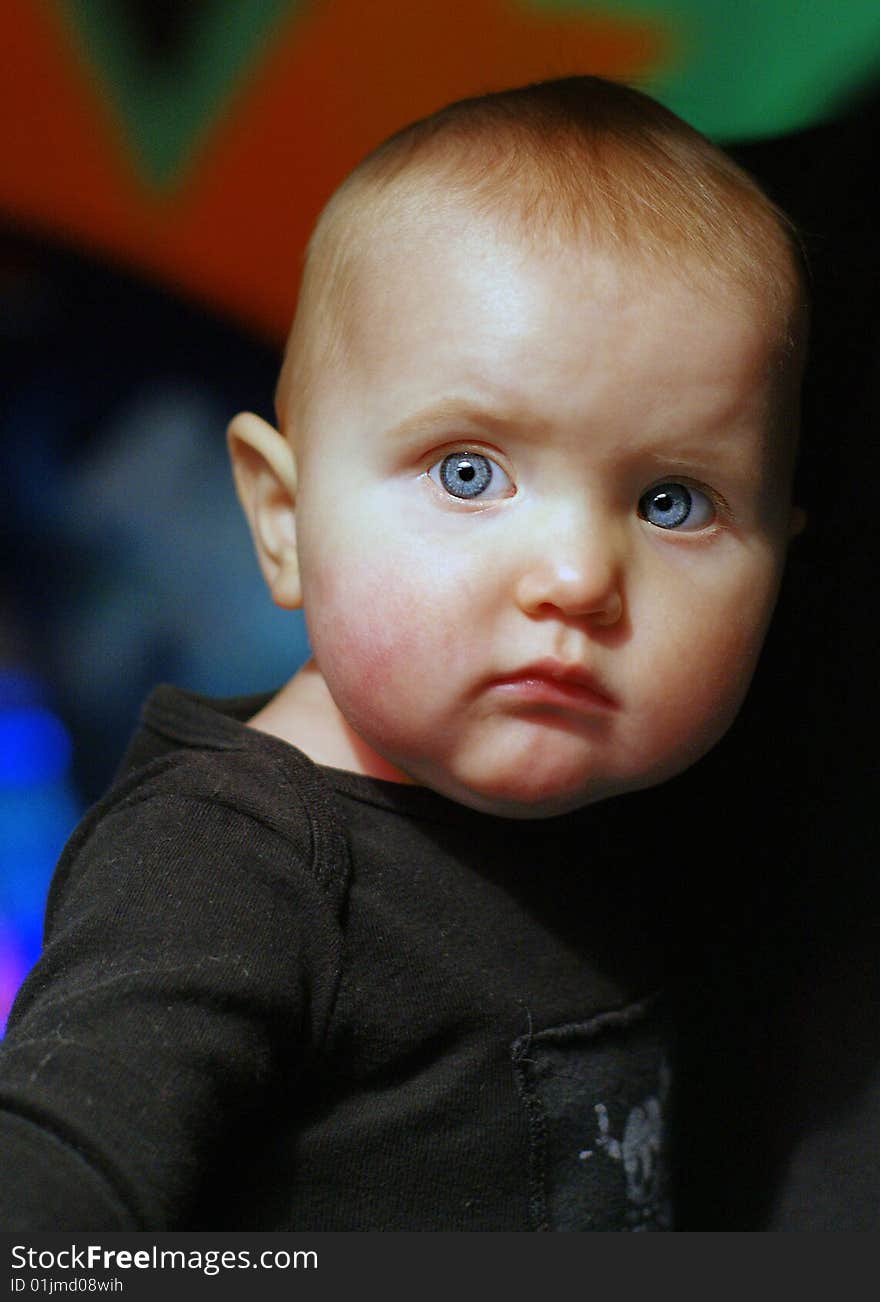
161 165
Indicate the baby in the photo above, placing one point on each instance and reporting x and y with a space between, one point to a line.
382 952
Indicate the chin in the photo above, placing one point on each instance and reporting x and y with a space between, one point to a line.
527 805
519 781
523 795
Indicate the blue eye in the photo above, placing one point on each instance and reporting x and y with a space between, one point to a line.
675 506
467 475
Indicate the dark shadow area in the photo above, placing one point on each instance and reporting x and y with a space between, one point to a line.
781 1123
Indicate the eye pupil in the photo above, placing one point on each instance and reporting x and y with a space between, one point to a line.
466 471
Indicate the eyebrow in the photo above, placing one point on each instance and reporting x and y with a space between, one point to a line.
501 416
457 409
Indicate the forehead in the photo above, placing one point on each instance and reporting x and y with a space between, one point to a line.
456 299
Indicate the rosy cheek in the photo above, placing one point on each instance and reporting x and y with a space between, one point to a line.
367 628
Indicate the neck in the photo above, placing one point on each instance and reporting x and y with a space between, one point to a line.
305 715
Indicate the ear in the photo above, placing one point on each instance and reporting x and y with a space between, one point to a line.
797 522
264 469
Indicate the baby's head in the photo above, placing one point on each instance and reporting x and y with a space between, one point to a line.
538 417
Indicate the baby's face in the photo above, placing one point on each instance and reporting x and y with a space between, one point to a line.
541 521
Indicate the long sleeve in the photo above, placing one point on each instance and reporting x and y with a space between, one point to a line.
189 969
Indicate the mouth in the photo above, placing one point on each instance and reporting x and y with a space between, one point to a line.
554 683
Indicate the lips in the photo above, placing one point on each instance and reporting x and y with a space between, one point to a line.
552 682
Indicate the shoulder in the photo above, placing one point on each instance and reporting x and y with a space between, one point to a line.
282 798
235 806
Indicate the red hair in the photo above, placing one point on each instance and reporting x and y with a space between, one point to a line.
579 157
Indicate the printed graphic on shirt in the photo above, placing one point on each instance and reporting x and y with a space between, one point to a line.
597 1094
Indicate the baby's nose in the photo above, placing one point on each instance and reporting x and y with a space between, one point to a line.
577 578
